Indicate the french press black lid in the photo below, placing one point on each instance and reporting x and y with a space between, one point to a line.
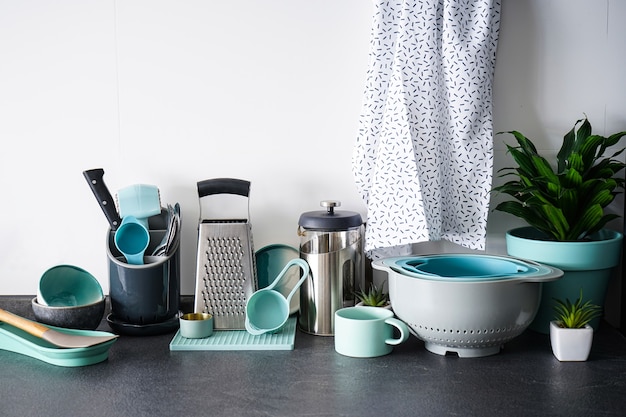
329 219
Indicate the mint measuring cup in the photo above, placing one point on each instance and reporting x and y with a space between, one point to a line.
132 239
267 310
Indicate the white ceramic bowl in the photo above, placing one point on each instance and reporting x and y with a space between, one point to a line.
465 303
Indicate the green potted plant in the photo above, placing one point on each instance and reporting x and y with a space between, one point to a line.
564 203
374 297
571 335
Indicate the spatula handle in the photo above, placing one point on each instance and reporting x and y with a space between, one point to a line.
28 326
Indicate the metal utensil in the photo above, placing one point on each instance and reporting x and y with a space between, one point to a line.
160 249
175 230
164 248
57 338
225 269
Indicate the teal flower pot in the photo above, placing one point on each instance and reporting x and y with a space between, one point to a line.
587 265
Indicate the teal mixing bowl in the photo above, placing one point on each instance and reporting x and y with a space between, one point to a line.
68 286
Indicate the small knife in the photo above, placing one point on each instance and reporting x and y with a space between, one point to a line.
95 180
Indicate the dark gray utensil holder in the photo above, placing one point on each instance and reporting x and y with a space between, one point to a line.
148 293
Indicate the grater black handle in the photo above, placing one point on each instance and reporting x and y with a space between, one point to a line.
223 186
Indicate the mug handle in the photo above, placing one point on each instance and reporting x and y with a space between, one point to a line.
404 331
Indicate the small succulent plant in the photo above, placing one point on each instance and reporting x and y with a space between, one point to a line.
575 315
375 297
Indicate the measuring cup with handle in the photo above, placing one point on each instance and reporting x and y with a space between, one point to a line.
132 239
267 310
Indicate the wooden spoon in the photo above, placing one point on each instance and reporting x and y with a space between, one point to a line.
57 338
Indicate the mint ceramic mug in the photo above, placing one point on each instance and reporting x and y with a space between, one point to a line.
367 332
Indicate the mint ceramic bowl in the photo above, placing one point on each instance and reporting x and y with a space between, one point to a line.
68 286
83 317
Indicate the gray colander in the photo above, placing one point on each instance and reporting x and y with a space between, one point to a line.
469 304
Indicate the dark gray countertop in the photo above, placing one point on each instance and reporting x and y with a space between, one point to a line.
142 377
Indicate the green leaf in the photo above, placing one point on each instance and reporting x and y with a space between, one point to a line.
572 178
584 131
602 198
575 161
577 314
544 169
566 149
524 161
512 207
375 297
591 216
525 144
598 226
529 214
613 140
569 203
588 149
555 217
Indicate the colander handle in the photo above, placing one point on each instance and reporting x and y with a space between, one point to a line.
411 267
544 274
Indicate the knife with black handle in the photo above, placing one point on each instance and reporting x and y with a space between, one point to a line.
95 180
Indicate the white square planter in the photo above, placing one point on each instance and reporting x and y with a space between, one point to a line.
571 344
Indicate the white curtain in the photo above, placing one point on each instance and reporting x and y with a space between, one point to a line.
423 158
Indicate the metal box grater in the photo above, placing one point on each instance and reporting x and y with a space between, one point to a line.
225 270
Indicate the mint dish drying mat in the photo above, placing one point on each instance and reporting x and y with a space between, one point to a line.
240 340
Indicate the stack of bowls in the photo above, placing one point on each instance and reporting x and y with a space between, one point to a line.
468 304
69 297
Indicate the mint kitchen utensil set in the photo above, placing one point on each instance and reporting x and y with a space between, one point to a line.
62 334
68 306
244 317
136 204
469 304
142 248
143 255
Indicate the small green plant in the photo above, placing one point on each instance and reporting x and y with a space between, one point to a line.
576 315
375 297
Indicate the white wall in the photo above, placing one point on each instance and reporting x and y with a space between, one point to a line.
173 92
170 93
